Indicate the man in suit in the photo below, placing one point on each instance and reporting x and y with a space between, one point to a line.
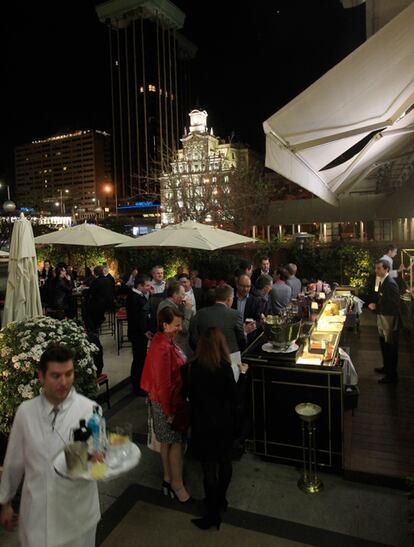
228 320
138 328
99 300
244 302
264 269
192 293
387 310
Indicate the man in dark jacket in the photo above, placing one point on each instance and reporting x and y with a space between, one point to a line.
229 321
138 328
264 269
387 310
100 299
243 301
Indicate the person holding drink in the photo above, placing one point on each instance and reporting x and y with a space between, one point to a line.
53 511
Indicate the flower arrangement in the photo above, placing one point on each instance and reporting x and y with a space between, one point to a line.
21 346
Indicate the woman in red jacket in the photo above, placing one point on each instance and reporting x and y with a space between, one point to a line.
162 379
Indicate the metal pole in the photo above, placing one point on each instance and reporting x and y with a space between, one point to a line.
113 123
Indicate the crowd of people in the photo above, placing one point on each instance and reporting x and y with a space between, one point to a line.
187 340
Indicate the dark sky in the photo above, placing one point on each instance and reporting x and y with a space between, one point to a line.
253 57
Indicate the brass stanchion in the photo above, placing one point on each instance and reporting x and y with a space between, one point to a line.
309 413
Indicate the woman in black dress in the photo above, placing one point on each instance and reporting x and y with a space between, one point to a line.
214 396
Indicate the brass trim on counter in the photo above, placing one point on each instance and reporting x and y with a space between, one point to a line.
329 388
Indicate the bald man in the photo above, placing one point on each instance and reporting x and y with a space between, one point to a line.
245 303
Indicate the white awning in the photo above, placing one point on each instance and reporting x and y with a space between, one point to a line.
356 117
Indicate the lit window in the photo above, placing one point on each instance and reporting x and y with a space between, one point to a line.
116 63
141 89
172 96
65 168
152 88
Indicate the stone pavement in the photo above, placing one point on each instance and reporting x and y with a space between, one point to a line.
263 497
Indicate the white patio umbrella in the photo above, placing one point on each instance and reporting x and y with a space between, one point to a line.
84 235
22 292
191 235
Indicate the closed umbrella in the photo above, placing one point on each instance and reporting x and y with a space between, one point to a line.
189 234
84 235
22 292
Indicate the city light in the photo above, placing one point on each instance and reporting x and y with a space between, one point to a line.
57 204
108 188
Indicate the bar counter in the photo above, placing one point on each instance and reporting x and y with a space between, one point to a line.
279 383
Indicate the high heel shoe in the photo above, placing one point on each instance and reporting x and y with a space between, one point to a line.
166 489
173 495
205 523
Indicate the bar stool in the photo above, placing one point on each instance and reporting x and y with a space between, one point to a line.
308 414
121 319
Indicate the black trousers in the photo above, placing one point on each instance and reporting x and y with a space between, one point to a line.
389 352
139 352
217 477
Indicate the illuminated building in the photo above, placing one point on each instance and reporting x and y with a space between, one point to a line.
65 173
201 175
149 89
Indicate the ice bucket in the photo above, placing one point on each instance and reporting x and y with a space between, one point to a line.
282 335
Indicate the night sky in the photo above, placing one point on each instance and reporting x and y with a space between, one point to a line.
252 59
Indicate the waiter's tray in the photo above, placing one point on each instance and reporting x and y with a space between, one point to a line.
130 458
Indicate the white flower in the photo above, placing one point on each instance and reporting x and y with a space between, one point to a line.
15 358
16 365
89 370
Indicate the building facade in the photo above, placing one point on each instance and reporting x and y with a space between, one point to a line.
66 173
150 89
202 180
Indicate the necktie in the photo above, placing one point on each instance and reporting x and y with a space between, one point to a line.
55 412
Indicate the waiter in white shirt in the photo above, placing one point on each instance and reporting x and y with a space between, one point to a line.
54 512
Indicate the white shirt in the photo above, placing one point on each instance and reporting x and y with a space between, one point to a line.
191 296
158 287
53 510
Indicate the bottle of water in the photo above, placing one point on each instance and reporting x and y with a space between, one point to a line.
94 424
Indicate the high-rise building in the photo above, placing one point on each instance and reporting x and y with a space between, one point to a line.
70 172
150 90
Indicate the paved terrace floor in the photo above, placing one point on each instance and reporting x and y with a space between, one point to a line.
266 507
